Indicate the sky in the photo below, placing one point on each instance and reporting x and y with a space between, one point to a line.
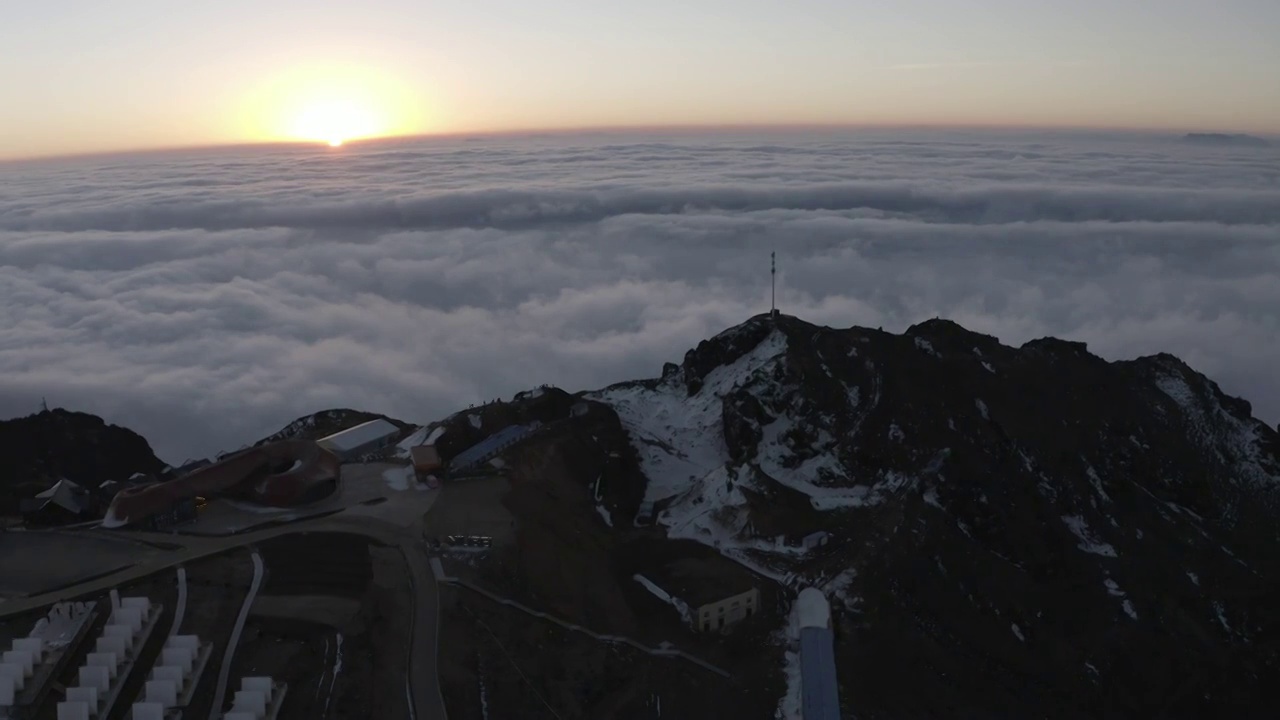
207 298
86 76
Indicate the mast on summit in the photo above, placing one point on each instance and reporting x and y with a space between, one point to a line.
773 282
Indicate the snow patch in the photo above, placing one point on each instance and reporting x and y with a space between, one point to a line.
926 346
1195 579
1087 542
1234 441
1222 617
789 707
1096 482
604 515
895 433
838 587
1128 609
988 367
474 420
982 408
931 498
1017 631
1112 588
679 437
675 602
398 478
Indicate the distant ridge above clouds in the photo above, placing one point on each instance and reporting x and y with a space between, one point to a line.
415 278
1235 139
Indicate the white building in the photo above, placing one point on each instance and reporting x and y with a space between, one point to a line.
360 440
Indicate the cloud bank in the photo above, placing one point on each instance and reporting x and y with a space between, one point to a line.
207 298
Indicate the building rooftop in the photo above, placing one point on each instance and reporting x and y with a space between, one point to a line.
354 437
64 494
813 609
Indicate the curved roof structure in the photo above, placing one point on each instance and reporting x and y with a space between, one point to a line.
813 609
280 474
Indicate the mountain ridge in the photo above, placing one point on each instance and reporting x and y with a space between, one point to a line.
1005 480
1012 530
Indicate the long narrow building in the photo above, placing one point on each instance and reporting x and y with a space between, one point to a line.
820 697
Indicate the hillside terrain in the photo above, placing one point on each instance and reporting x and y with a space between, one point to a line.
1011 531
40 449
1014 530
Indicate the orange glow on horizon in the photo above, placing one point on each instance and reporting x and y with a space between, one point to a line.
332 105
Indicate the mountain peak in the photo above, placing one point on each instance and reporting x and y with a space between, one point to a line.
967 484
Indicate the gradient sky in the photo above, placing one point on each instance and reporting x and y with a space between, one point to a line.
88 75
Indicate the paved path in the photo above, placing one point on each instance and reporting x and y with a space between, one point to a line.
228 656
424 682
181 612
424 671
616 639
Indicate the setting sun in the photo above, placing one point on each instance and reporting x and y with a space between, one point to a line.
332 105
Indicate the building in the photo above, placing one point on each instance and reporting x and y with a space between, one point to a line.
494 445
714 593
63 503
718 615
426 461
355 442
815 540
819 694
280 474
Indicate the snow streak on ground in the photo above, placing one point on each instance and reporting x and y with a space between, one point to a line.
790 705
1087 542
675 602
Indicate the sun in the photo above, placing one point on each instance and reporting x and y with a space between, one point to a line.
332 105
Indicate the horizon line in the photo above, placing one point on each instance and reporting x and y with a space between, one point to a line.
621 129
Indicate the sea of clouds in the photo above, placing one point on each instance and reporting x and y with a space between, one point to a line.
206 298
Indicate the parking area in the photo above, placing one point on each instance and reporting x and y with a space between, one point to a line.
471 508
41 561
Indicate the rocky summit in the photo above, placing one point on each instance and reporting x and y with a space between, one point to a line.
1014 532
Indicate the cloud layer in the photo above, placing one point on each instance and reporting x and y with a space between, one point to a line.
206 298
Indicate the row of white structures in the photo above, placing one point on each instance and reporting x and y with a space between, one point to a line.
20 662
171 682
257 699
115 650
30 659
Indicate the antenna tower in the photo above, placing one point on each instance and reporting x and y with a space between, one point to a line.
773 282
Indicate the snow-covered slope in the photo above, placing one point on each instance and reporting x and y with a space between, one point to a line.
1028 506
